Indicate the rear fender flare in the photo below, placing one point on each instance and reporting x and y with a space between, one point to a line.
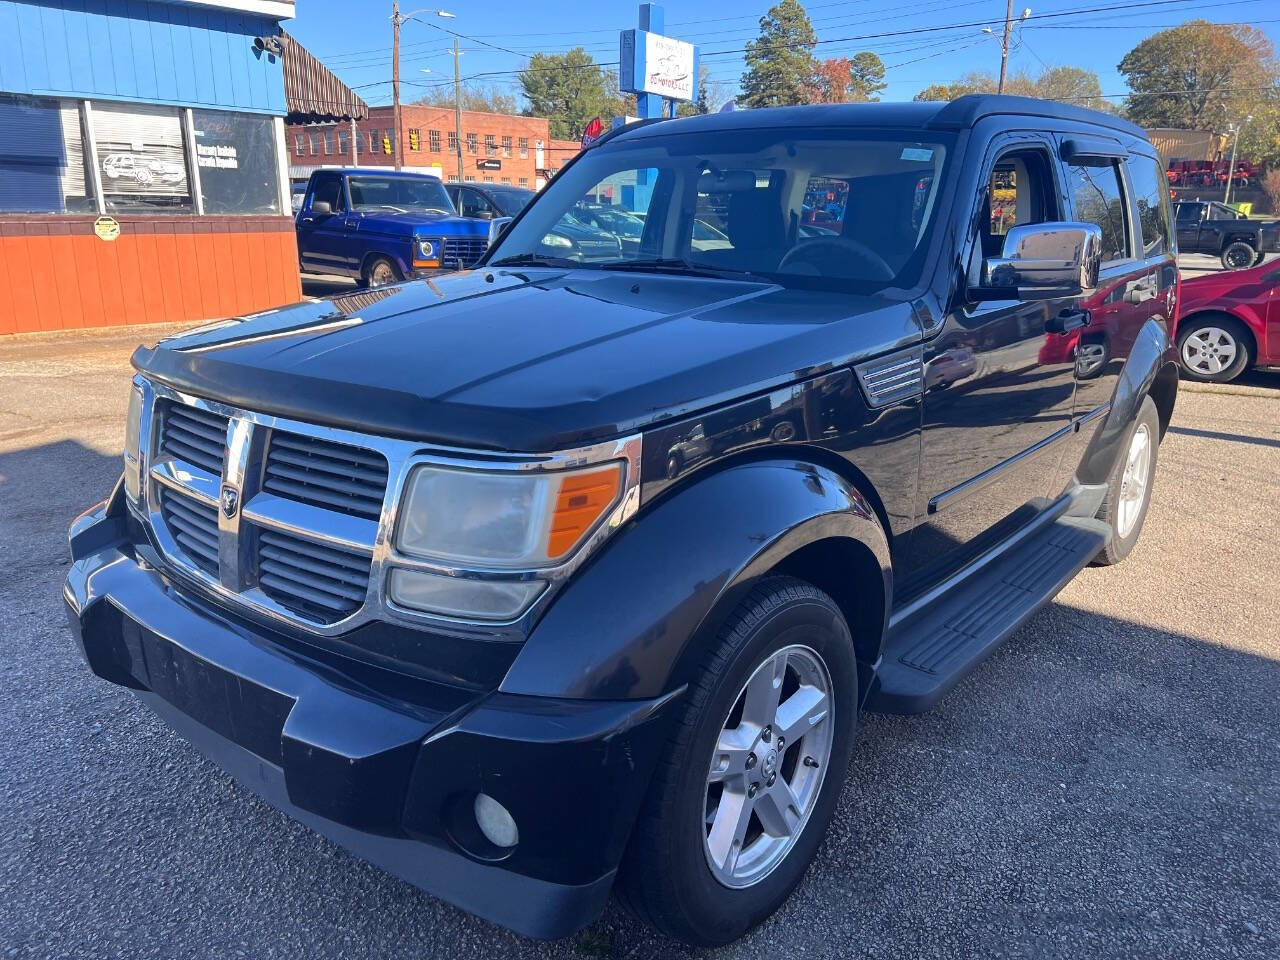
1151 364
636 621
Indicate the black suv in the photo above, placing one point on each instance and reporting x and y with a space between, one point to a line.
415 565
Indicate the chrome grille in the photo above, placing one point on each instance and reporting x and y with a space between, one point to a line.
194 525
315 581
195 436
325 474
467 249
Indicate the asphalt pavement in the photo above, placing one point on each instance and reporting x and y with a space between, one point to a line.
1107 785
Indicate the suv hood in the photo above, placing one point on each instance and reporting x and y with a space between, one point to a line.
526 360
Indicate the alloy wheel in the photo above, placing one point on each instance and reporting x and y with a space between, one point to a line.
381 274
1090 357
1133 482
768 766
1209 350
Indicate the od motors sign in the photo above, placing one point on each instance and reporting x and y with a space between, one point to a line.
652 63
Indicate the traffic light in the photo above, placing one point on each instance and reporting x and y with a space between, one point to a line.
386 144
413 139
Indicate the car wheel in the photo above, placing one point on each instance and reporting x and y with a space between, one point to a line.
753 769
379 272
674 463
1259 258
1092 357
1129 486
1213 349
1238 255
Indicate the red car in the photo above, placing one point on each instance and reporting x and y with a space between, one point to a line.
1228 322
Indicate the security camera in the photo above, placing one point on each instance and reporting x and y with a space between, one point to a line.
268 45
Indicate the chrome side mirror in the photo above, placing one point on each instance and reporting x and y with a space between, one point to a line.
321 208
1043 261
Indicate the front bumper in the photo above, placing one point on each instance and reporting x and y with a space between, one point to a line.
383 764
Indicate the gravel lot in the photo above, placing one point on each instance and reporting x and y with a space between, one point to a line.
1108 785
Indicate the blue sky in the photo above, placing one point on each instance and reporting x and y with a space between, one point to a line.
926 42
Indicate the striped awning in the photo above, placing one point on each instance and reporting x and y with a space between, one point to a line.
311 91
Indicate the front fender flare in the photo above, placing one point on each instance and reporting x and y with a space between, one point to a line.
622 628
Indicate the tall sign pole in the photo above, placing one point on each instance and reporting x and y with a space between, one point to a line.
396 145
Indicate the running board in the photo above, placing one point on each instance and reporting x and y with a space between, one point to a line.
932 650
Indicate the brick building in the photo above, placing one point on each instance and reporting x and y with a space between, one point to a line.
496 148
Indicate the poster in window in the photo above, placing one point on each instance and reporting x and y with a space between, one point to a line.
140 157
236 153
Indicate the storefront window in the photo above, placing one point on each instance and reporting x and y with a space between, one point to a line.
140 158
42 157
239 172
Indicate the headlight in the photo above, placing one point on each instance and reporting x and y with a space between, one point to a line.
495 520
132 452
427 250
555 240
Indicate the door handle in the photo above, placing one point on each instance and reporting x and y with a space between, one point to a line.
1066 321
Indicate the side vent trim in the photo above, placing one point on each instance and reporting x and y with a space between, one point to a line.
891 379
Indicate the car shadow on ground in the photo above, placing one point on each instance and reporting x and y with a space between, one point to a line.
1100 787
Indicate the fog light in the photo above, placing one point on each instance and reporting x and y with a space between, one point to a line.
495 822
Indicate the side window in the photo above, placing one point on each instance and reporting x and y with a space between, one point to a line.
1153 210
1019 190
1099 198
1189 212
329 189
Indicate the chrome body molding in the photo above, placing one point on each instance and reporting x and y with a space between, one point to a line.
248 433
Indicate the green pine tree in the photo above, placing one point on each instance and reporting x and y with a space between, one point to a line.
780 61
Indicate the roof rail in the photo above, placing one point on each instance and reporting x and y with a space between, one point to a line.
967 110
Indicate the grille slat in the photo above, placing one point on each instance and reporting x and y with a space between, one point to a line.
194 526
194 435
326 474
467 249
315 581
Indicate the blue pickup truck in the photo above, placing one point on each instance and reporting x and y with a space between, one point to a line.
381 227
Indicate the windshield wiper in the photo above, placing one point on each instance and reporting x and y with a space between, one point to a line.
676 266
532 260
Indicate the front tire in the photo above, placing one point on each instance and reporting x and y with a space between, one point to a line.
1213 348
731 822
379 272
1238 255
1129 486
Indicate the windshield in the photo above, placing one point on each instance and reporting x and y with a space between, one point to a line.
511 202
800 207
399 194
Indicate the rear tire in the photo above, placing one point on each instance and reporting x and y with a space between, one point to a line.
1238 255
707 860
1130 484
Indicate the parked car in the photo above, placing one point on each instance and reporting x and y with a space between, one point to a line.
613 220
383 227
571 239
416 564
1214 228
1229 322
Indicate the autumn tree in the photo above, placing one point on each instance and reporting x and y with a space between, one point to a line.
841 80
1199 76
779 63
483 99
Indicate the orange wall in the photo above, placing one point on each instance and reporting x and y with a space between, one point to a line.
56 274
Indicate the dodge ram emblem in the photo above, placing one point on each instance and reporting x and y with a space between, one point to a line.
230 502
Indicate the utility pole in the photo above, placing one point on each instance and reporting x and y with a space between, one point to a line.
1231 167
395 82
457 104
1004 45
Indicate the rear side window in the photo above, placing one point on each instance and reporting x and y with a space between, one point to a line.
1099 198
1153 212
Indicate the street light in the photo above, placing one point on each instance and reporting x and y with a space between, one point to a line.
1004 42
396 20
1231 167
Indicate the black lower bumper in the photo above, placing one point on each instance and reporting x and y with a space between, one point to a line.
390 773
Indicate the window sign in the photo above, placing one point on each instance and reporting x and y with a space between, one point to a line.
140 158
42 157
236 153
